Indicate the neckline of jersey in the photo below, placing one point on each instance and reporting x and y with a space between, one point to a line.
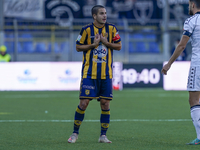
97 26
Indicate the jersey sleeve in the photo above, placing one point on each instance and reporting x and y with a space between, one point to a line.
116 38
81 39
188 27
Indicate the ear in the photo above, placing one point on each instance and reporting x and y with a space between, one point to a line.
193 4
94 16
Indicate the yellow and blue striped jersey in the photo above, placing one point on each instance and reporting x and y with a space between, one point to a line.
97 62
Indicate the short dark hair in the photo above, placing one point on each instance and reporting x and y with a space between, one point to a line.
197 2
95 9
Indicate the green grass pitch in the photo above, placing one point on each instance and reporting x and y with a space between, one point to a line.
141 119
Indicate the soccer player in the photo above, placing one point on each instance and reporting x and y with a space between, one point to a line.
191 29
97 41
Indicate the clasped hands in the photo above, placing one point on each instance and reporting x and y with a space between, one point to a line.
100 37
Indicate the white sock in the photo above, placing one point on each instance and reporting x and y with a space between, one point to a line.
195 114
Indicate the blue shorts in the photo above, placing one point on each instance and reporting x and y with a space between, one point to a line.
96 89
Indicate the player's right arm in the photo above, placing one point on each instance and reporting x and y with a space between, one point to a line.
82 44
84 47
179 49
188 30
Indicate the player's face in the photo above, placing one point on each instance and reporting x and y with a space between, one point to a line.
101 16
191 8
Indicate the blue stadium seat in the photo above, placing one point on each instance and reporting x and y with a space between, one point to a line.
57 47
65 46
61 47
131 45
139 45
122 41
27 44
11 47
19 47
42 47
153 45
9 42
26 35
28 47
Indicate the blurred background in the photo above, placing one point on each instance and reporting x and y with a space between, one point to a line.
46 30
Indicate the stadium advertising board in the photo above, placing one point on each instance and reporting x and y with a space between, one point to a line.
177 76
67 75
24 9
117 76
142 75
40 76
36 76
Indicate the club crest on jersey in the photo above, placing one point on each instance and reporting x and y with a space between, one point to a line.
101 51
87 92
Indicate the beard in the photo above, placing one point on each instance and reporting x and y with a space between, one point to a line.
190 11
100 21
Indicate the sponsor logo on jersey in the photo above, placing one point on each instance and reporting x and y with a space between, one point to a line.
101 51
79 38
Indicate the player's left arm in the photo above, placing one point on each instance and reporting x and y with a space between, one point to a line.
114 45
179 49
